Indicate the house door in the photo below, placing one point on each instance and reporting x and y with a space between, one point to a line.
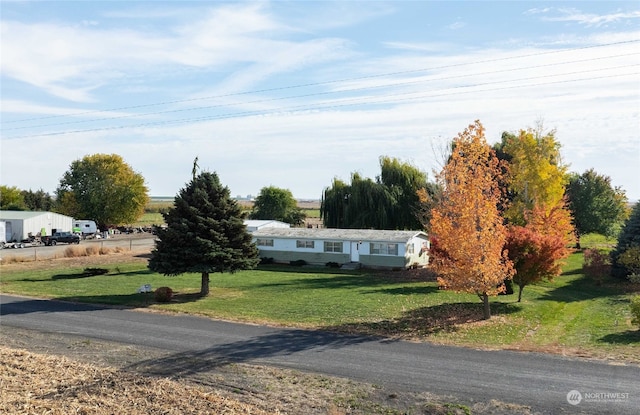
355 251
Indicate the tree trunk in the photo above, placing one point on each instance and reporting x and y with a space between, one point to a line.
487 308
204 284
521 287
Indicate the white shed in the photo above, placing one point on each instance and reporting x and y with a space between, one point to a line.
257 224
19 225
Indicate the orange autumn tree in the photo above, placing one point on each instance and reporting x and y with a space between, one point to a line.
466 226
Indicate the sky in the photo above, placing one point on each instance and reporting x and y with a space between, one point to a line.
295 94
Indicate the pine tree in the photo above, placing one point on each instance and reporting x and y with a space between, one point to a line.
629 238
205 233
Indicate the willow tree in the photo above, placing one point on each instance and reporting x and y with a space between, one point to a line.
205 233
391 201
468 235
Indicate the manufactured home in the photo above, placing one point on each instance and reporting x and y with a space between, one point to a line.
366 248
20 225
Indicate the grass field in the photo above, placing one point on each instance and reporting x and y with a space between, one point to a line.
569 315
153 216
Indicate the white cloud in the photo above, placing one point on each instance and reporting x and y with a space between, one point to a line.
301 142
586 19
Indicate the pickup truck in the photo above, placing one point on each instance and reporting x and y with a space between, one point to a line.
57 237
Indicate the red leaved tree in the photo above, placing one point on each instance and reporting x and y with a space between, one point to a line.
538 248
466 223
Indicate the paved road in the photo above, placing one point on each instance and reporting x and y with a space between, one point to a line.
537 380
135 243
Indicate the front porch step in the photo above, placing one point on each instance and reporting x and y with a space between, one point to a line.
351 265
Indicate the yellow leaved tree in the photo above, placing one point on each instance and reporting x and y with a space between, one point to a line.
467 231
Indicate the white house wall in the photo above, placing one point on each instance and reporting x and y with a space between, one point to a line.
286 250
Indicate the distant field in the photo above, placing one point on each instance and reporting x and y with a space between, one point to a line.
153 215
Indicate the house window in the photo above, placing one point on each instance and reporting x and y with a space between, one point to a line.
410 249
333 247
264 242
305 244
384 249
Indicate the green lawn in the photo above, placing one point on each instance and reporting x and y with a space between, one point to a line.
571 314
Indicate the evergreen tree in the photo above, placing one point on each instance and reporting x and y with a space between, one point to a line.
205 233
597 205
629 238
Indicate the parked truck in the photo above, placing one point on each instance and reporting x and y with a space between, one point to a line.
61 237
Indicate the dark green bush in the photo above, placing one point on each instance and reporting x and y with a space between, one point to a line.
298 262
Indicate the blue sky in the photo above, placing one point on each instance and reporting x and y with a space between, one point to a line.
295 94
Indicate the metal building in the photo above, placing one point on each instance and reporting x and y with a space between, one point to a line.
19 225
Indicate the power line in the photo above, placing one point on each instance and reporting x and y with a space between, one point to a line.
389 85
328 82
347 103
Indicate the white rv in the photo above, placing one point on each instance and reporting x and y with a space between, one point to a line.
86 228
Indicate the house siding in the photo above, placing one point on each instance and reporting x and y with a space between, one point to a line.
285 248
314 258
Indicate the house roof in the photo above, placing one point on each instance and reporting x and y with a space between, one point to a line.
338 234
263 222
22 214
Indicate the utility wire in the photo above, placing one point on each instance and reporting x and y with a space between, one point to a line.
307 107
331 82
364 88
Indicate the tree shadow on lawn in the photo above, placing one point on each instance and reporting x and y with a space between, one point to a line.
352 280
626 337
426 321
87 274
581 289
281 342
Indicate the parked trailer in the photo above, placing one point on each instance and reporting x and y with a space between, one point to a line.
87 229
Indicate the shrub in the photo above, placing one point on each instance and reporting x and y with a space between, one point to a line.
635 310
74 252
298 262
332 265
92 250
163 294
597 264
630 260
265 261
